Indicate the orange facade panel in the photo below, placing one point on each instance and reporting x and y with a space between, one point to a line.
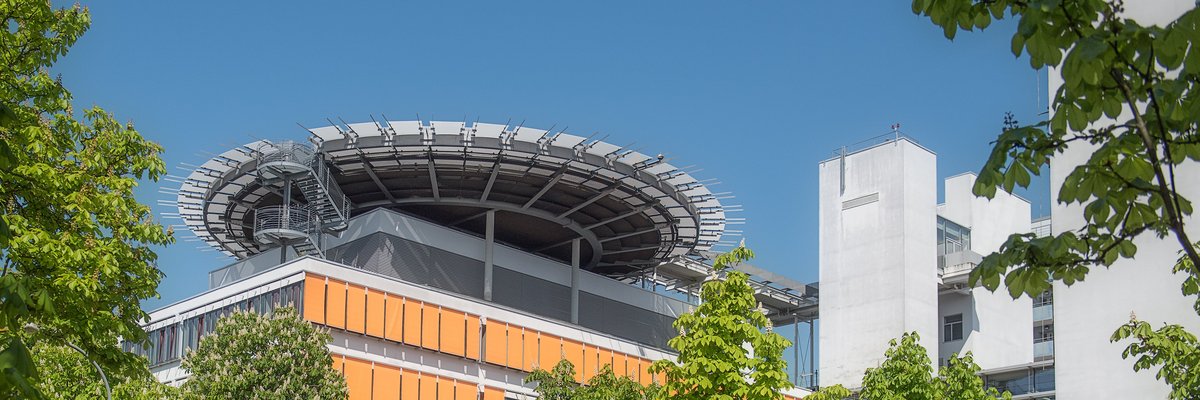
465 391
453 334
428 388
356 308
605 358
445 388
393 321
473 339
638 370
496 346
530 346
314 298
589 362
619 367
410 385
573 352
386 384
335 304
338 362
491 393
430 317
358 379
375 313
412 322
549 351
516 348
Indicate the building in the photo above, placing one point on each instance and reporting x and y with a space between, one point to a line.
450 259
892 261
1088 312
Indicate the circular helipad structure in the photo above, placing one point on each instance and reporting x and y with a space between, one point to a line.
547 189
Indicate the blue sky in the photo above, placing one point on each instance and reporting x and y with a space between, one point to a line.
754 94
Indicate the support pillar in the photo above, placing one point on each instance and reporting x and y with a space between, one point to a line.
575 281
287 216
489 248
796 350
812 357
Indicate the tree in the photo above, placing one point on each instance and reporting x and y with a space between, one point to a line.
906 373
67 374
251 356
559 384
715 342
1172 348
1130 92
835 392
75 244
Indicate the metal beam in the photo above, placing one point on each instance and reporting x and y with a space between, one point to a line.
433 178
575 281
489 246
492 179
550 184
630 250
371 173
587 235
625 235
607 191
619 216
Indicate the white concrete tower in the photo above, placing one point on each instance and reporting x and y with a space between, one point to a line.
878 263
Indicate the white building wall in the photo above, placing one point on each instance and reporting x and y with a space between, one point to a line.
1088 366
877 256
997 330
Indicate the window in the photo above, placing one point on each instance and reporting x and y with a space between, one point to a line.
1043 333
1044 299
951 238
952 328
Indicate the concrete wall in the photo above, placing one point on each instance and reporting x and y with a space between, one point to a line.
877 256
997 330
1088 366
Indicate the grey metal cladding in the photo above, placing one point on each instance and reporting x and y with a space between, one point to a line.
412 262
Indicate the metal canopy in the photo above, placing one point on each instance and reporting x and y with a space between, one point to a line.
630 210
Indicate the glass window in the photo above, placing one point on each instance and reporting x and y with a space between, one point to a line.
1046 298
1043 333
952 328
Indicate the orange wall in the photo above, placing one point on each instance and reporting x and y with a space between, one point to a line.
389 316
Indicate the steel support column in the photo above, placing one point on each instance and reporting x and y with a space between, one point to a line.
575 245
489 247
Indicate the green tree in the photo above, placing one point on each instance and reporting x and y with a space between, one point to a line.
1129 92
960 380
715 341
252 356
559 384
1172 348
835 392
67 374
75 244
906 373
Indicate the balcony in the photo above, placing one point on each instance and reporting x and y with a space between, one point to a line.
1043 350
1043 313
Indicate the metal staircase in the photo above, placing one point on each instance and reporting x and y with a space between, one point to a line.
288 164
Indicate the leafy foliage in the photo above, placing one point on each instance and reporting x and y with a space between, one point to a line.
907 374
1130 93
74 243
66 374
251 356
960 381
714 343
1172 348
559 384
835 392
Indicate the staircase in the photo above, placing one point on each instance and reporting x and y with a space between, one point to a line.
288 164
324 196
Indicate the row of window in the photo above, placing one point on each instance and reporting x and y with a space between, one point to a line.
400 319
367 380
169 343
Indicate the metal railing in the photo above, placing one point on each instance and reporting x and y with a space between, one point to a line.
288 151
325 179
294 218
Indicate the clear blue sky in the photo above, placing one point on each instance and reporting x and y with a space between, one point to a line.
756 95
